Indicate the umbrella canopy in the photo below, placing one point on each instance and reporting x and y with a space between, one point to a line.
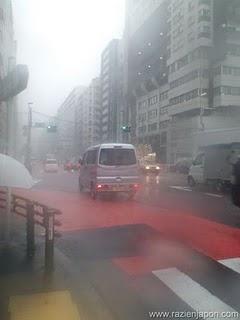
13 174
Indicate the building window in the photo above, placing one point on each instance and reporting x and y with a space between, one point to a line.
142 117
152 127
185 97
142 105
142 130
152 114
163 124
203 73
204 32
163 96
152 100
207 2
204 15
217 70
227 90
234 49
163 110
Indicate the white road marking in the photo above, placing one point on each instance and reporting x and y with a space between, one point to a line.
181 188
197 297
37 181
213 195
233 263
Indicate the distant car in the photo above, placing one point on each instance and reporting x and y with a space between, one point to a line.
151 168
67 166
71 166
51 165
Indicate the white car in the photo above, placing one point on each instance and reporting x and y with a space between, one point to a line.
51 165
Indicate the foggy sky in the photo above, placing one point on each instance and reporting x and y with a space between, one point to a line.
61 42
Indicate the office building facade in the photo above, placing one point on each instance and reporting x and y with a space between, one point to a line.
88 117
67 126
112 91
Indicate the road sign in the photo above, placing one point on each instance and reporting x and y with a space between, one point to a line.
15 82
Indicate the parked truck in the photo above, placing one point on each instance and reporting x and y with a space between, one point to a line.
218 150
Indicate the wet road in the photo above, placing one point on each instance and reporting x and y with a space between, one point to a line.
172 249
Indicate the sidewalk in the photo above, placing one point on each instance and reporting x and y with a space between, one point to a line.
19 276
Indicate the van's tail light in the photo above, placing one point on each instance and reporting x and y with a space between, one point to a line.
136 186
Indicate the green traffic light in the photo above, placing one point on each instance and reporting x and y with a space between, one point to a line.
51 128
126 128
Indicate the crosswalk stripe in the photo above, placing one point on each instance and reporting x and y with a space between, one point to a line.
233 264
192 293
37 181
181 188
214 195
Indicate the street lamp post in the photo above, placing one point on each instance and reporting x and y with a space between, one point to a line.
202 109
28 163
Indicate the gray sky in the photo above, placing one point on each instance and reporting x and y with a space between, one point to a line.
61 41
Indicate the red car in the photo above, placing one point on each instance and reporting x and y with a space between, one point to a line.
71 166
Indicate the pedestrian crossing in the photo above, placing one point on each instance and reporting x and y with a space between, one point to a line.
188 189
233 264
197 297
201 296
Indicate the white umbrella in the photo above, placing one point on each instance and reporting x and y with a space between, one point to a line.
13 174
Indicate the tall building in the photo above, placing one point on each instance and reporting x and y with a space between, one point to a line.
111 91
147 73
182 66
203 61
67 126
8 120
88 117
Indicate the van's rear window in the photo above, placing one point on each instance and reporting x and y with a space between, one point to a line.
51 162
117 157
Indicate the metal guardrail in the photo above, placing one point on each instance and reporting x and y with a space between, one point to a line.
36 213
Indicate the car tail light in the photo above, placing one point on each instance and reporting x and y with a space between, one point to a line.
136 186
99 186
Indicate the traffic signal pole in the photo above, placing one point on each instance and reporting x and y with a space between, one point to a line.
28 163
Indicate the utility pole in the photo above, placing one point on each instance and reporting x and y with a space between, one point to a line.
28 163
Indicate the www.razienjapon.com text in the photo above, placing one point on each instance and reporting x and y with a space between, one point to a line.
194 315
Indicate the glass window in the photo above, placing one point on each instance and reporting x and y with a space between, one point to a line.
117 157
152 127
199 160
91 157
51 161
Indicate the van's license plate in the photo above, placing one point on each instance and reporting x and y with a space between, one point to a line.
119 188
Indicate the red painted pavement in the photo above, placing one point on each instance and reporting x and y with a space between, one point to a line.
80 212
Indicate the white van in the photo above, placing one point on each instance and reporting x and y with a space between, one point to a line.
214 165
51 165
109 168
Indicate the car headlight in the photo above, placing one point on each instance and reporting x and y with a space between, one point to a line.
147 167
158 168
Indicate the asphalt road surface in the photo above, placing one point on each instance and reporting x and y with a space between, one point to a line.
171 253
